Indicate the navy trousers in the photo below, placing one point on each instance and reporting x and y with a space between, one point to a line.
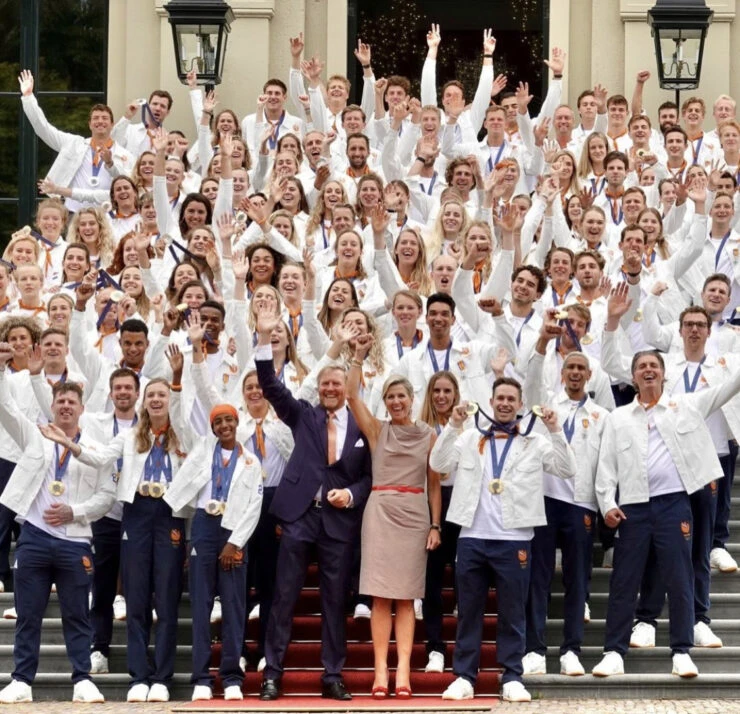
509 564
665 524
107 560
152 558
570 528
724 497
652 589
208 579
335 558
437 561
40 560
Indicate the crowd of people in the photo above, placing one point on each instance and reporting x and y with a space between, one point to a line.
398 335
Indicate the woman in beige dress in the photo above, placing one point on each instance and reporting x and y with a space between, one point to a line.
396 530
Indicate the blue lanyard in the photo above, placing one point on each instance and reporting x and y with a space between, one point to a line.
145 109
414 342
323 233
119 461
221 474
60 465
272 143
519 334
601 185
96 167
429 190
433 357
718 254
497 466
158 463
653 257
689 387
491 163
569 427
696 150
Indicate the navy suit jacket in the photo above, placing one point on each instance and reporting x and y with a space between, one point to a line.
307 469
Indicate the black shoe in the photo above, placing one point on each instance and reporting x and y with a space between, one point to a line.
270 690
335 690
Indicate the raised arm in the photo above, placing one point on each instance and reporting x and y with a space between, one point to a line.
369 425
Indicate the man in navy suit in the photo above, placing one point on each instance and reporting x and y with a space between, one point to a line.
319 502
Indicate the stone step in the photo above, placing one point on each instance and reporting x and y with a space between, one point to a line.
656 660
634 686
593 635
724 605
721 582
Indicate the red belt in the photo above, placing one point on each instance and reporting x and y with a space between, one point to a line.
400 489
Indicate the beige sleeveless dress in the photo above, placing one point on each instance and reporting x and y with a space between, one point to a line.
395 525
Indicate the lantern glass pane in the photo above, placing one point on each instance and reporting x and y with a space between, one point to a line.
198 45
680 53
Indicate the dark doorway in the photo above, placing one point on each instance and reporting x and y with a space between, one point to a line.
396 30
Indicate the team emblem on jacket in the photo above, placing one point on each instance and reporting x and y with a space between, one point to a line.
176 537
522 556
87 564
587 522
713 488
686 529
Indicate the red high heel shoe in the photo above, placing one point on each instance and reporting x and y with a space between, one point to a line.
379 692
403 692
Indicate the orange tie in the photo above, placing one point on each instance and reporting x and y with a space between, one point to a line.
331 430
260 439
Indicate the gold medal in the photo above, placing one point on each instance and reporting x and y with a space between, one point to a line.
144 488
56 488
156 489
496 486
587 339
537 411
561 315
638 316
214 507
264 475
471 409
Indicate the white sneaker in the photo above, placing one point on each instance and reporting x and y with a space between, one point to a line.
138 693
533 663
85 691
684 666
10 614
98 663
201 693
233 693
586 613
119 608
216 610
254 613
53 587
435 663
612 663
454 612
243 664
362 612
16 692
158 693
515 692
643 635
720 559
608 561
459 689
261 664
418 612
704 637
570 665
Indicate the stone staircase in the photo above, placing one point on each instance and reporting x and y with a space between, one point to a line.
648 670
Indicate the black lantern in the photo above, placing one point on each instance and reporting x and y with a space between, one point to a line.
679 28
200 29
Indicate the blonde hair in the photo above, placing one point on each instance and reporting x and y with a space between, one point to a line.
106 241
487 262
318 213
394 381
18 236
436 237
585 167
574 185
419 272
143 433
376 356
429 413
282 213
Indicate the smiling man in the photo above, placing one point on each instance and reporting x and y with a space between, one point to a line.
134 132
498 500
654 453
82 163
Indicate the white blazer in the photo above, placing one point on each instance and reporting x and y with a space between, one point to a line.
522 500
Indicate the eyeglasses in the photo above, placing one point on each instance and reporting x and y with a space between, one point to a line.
688 324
